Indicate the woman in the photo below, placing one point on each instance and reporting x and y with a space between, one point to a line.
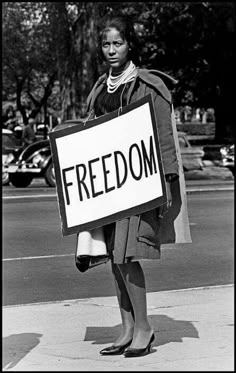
125 84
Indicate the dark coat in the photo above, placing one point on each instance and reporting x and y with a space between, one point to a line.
148 82
142 234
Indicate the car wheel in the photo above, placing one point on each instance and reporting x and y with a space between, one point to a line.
19 180
50 176
5 178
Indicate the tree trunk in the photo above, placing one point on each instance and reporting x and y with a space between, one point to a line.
20 107
44 99
224 109
76 55
86 68
224 122
61 33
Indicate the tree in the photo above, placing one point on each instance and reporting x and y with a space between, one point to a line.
74 48
76 30
192 41
29 68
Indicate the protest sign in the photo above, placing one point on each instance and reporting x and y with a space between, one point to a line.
108 168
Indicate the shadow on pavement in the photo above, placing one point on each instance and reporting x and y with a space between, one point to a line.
166 329
16 346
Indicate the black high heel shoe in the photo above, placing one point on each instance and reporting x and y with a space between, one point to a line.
135 352
115 350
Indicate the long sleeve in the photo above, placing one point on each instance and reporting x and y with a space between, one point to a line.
165 131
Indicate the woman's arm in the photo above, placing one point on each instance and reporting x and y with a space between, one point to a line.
166 139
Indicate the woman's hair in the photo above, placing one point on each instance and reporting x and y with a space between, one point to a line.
125 27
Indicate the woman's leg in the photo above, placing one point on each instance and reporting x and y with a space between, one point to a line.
134 279
126 309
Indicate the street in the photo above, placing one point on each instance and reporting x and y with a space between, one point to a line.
38 263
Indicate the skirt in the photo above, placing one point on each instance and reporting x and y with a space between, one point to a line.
124 244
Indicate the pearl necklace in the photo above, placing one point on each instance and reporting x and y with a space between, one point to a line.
114 82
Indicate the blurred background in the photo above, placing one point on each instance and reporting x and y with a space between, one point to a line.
49 59
49 65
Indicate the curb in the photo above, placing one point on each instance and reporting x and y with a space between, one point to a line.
212 189
95 300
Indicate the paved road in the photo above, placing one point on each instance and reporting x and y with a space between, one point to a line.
38 263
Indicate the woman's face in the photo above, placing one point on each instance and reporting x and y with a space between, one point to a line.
115 50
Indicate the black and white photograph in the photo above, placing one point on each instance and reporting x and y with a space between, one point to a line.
118 186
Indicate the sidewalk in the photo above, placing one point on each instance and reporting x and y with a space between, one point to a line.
193 328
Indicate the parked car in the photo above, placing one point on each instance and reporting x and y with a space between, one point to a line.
27 163
221 155
11 141
33 161
227 154
191 155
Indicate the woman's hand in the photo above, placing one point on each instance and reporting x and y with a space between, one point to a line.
164 208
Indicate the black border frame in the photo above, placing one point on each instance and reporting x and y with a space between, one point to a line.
76 126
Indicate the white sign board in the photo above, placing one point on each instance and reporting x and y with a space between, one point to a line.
108 168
